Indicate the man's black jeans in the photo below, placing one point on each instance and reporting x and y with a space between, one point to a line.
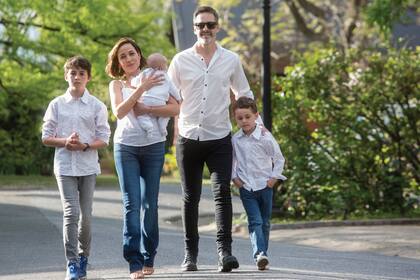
217 155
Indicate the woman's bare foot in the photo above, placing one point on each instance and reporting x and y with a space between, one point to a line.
147 270
136 275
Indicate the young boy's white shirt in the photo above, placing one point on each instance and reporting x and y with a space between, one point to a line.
87 116
256 159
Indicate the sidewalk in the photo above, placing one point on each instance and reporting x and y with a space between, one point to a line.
393 237
388 240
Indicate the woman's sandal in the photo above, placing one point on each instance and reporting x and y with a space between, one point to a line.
148 270
136 275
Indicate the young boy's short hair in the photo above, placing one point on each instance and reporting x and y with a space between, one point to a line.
245 103
78 61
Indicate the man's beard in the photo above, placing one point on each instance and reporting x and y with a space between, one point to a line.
207 39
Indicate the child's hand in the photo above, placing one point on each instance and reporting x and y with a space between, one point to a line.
271 182
74 138
73 142
238 182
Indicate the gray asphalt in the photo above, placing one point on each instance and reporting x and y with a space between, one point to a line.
31 244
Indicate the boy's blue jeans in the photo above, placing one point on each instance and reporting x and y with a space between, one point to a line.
139 170
258 207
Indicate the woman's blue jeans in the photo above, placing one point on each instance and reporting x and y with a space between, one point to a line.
139 170
258 207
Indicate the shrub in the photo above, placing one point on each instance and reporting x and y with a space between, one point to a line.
348 126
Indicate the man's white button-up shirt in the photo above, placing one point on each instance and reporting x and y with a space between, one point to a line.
205 92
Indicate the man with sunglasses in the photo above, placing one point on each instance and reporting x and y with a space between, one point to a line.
205 74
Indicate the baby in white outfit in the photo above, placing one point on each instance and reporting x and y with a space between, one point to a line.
157 95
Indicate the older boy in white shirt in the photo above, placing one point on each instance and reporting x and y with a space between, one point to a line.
76 124
257 165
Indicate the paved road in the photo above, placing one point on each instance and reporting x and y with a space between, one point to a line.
31 246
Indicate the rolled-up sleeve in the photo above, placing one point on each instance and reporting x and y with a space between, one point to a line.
278 161
49 127
102 131
173 74
239 83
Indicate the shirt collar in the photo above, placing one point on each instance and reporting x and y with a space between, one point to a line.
219 49
255 134
85 97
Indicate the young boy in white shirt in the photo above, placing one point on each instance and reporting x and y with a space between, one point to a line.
76 124
257 166
157 95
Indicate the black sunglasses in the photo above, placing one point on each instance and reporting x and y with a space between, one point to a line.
210 25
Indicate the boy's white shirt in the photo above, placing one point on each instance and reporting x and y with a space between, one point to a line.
87 116
256 159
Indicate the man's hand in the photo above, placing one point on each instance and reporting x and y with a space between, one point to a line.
264 130
238 182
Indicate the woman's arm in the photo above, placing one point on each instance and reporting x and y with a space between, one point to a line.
171 109
120 107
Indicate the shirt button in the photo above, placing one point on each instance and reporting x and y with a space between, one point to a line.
205 85
202 112
199 125
204 98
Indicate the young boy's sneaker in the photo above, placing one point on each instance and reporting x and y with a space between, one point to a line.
72 271
262 262
82 267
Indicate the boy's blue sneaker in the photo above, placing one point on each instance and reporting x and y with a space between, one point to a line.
83 267
72 271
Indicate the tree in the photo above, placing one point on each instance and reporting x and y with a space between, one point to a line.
36 37
297 23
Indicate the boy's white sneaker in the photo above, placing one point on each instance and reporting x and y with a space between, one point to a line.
262 262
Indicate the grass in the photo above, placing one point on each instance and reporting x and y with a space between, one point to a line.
27 182
15 182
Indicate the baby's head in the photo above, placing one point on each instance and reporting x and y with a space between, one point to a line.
157 61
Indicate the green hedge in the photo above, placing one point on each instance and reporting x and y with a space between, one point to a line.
348 125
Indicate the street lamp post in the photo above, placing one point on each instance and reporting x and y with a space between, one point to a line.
266 69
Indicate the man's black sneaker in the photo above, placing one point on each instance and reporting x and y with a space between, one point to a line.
227 263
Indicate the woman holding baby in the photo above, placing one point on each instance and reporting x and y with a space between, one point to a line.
138 159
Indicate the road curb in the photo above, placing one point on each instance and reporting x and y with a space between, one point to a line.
373 222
